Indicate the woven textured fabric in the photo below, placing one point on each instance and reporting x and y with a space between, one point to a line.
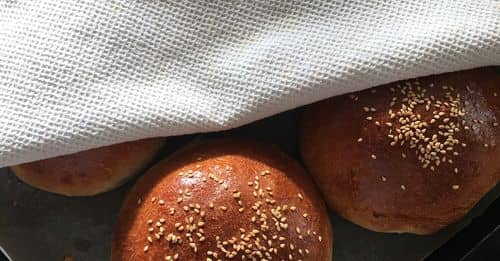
77 74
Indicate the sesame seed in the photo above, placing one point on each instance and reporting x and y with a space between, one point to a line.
300 196
360 139
373 156
369 118
384 179
403 187
161 202
265 172
455 187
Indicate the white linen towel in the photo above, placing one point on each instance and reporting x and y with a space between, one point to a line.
78 74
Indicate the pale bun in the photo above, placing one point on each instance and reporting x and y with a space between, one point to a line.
90 172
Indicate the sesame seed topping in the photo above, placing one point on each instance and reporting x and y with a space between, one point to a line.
434 140
403 187
261 241
455 187
373 156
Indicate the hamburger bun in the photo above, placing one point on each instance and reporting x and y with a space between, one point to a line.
224 199
90 172
411 156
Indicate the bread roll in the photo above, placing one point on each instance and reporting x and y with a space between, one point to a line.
90 172
411 156
224 199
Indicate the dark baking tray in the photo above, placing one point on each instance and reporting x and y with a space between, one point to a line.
480 240
36 225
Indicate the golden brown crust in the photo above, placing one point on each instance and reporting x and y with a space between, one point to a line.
244 181
373 180
90 172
